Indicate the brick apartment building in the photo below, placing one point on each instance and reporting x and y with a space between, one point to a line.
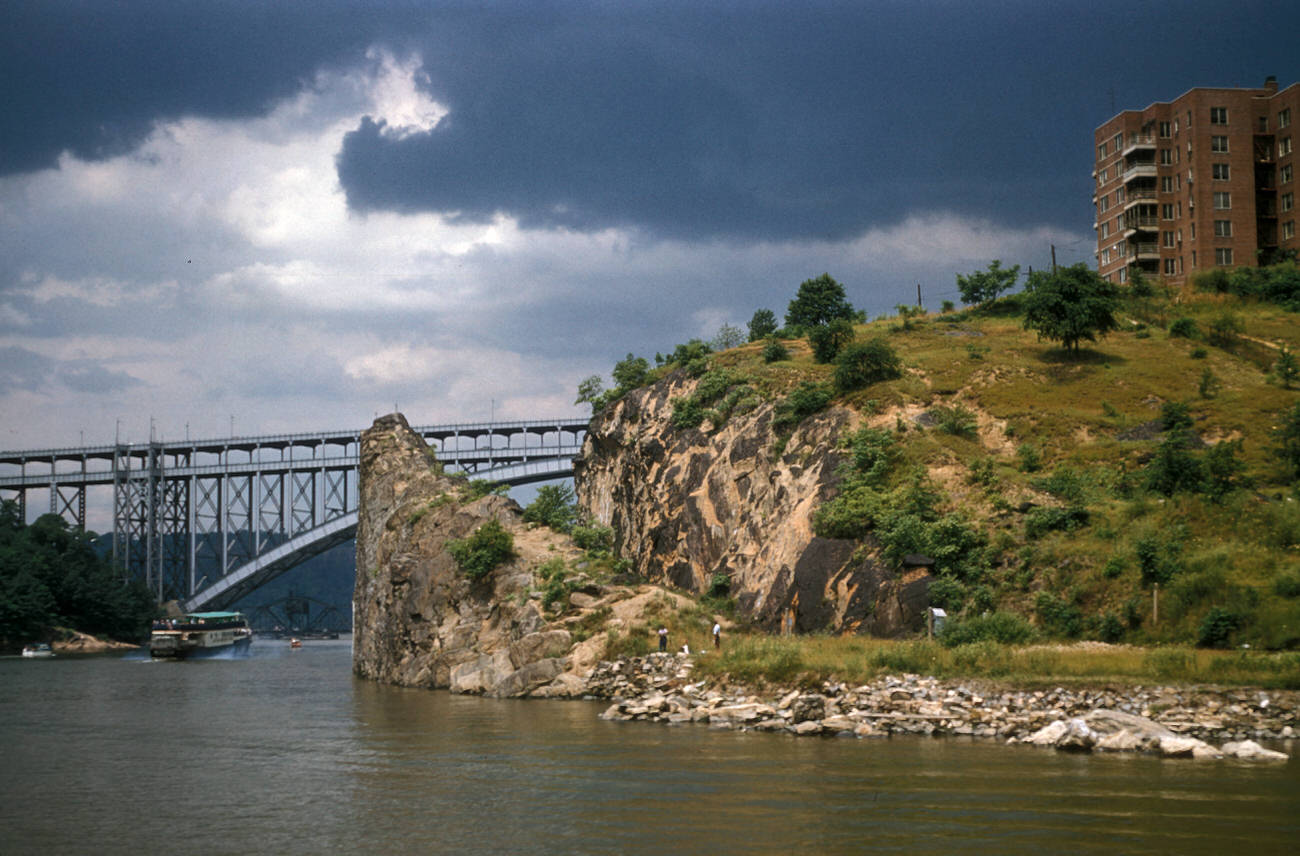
1206 180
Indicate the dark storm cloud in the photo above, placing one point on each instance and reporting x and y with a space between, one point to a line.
767 121
764 120
92 77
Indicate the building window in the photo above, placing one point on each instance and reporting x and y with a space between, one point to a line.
1117 143
1105 230
1288 230
1166 157
1219 145
1284 174
1104 204
1222 200
1288 201
1123 275
1169 266
1218 115
1167 211
1219 171
1105 256
1223 255
1284 118
1164 129
1169 239
1101 151
1223 228
1166 184
1284 147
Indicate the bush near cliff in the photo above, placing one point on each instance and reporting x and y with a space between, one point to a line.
490 546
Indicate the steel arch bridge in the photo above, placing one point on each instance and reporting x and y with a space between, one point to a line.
207 521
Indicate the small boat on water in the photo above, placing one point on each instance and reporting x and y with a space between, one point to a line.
37 649
295 642
200 634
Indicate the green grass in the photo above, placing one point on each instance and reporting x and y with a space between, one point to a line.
810 660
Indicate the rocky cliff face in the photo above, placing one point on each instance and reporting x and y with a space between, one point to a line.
418 621
688 504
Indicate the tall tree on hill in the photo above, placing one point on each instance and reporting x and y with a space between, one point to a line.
1071 305
762 325
819 301
985 285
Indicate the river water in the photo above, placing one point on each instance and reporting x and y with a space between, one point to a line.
284 752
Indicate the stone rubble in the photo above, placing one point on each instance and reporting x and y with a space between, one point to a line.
1168 721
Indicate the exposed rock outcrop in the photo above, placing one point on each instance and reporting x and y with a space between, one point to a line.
418 621
689 504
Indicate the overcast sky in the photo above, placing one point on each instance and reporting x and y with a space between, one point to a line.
296 215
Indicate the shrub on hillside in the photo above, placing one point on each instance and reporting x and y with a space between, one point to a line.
1003 627
593 538
775 352
863 364
480 553
1184 328
803 401
1217 627
553 507
828 340
1057 615
955 420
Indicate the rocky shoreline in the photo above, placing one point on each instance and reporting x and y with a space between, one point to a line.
1171 721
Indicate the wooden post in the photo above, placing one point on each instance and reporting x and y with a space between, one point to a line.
1155 603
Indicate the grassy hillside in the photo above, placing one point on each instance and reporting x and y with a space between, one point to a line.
1048 461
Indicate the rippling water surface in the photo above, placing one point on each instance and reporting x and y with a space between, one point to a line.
285 752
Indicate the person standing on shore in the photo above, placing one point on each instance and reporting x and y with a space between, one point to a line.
663 638
717 635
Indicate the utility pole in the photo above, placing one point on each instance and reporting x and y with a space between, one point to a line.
1053 258
918 296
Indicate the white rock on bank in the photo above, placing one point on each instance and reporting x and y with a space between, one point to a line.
1249 750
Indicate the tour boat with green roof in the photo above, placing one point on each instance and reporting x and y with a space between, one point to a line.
200 634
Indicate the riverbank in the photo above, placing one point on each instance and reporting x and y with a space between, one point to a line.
1168 720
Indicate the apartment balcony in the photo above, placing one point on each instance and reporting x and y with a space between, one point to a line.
1139 197
1139 170
1143 250
1140 221
1139 142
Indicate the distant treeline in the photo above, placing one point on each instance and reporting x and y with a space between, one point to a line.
51 576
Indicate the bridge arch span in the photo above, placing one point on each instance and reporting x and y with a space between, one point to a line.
255 573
